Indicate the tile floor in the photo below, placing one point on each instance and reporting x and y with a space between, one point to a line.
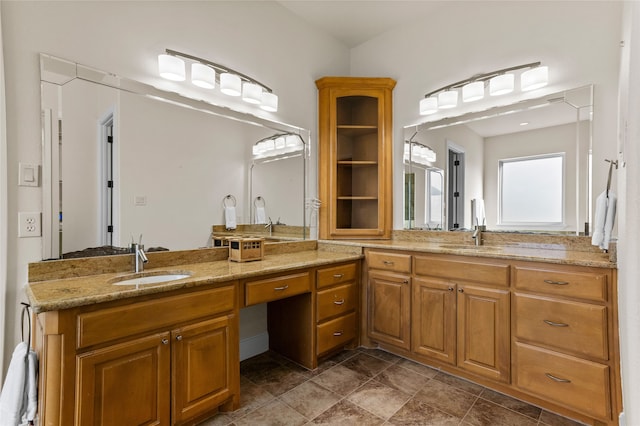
370 387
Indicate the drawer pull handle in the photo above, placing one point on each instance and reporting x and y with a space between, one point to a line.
284 287
165 341
557 379
338 333
338 276
388 262
556 282
338 302
179 337
556 324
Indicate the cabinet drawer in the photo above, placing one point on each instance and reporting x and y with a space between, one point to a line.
122 321
335 333
389 261
485 272
336 301
565 380
576 327
335 275
575 284
276 288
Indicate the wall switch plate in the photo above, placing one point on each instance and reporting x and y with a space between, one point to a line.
29 175
29 224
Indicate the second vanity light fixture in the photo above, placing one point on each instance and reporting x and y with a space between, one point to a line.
203 74
499 82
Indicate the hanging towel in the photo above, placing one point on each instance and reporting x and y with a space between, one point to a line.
261 214
18 400
604 219
230 217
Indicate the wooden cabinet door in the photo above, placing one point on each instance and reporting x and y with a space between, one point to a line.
205 361
483 331
433 322
125 384
389 312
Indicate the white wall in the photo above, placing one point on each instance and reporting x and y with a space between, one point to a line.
579 41
629 223
125 38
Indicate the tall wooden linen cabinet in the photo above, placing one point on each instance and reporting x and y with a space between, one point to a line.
355 157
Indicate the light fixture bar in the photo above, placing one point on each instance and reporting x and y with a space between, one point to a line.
482 77
219 68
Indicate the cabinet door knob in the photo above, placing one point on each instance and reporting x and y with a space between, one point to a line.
284 287
338 302
405 282
556 282
450 289
555 324
461 290
338 333
179 337
165 341
557 379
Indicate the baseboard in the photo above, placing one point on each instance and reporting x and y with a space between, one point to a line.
254 345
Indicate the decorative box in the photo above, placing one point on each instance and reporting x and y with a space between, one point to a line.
246 249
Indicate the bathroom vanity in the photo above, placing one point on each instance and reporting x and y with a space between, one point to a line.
168 353
537 321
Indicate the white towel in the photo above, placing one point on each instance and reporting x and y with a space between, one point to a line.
18 400
478 212
230 217
604 219
261 215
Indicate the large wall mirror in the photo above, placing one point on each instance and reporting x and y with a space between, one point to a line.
520 167
123 159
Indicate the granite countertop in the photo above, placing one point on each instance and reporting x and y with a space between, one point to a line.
57 294
66 284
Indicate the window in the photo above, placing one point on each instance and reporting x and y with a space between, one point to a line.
532 190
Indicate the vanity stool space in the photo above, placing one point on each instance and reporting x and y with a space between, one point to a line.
542 332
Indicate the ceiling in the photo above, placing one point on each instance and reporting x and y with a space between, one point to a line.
353 22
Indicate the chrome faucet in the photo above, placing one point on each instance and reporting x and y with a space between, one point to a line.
477 234
269 226
139 257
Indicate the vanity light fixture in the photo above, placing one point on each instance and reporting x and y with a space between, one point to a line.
206 74
278 145
499 82
171 67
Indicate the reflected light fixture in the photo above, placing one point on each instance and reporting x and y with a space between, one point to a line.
204 73
278 145
499 82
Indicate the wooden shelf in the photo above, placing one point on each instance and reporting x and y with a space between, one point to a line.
355 151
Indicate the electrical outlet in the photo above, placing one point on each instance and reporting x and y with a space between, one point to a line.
29 224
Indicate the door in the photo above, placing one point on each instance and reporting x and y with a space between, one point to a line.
433 321
203 367
483 331
389 308
125 384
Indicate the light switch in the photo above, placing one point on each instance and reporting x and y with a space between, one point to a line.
29 175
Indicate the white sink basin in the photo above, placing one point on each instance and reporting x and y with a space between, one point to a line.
144 278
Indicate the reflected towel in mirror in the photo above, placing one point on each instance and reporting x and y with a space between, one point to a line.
261 215
230 217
